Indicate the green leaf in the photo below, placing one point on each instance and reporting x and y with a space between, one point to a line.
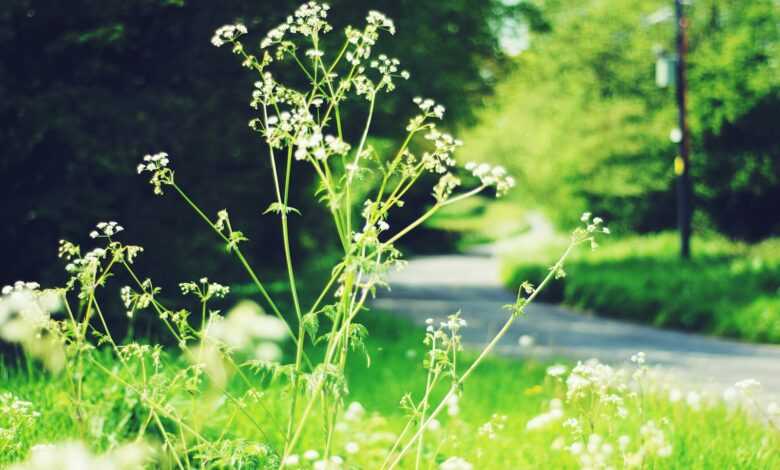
311 324
280 208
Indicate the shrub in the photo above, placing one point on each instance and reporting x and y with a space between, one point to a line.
727 288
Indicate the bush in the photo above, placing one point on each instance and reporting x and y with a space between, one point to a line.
728 288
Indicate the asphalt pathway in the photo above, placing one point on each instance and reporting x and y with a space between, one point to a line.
436 286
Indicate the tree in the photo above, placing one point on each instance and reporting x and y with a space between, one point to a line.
583 123
87 88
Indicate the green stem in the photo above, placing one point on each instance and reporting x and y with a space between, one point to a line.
516 312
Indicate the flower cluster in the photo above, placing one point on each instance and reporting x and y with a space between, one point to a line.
741 392
20 286
204 290
157 164
429 107
364 40
456 463
440 159
596 224
596 395
446 185
388 69
311 143
134 301
555 413
227 33
16 416
593 378
556 370
106 230
269 92
309 20
25 314
491 429
492 176
76 455
595 453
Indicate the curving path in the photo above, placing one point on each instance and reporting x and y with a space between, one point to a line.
435 286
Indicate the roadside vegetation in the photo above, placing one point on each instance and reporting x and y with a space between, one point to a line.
728 288
512 414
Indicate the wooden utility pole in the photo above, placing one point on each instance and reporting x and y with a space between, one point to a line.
682 163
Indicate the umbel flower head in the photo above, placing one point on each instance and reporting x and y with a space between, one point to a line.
157 165
227 33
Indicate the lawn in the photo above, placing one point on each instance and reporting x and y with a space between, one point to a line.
727 288
505 418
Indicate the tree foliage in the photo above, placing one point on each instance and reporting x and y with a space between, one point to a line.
86 88
585 126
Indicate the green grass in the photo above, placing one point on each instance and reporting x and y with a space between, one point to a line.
727 288
480 220
714 437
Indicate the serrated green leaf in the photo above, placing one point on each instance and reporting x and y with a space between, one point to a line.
311 324
279 208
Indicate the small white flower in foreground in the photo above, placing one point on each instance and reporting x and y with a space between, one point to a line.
455 463
545 419
268 352
638 358
311 454
292 460
354 412
556 370
747 386
334 463
452 405
526 341
76 456
730 395
434 425
351 447
693 400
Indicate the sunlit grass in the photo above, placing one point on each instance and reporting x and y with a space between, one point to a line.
505 391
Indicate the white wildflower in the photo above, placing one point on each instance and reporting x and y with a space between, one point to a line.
351 447
526 341
354 412
455 463
693 400
227 33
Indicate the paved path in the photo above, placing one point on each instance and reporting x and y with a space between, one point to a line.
435 286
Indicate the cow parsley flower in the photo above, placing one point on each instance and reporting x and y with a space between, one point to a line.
204 289
455 463
556 370
227 33
106 230
351 447
157 164
492 176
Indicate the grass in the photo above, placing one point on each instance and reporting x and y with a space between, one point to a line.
480 220
727 288
714 437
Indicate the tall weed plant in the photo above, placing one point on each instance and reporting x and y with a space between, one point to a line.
172 396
